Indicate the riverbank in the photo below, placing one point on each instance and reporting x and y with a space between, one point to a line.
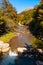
28 54
6 37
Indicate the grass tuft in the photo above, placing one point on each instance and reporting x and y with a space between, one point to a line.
7 36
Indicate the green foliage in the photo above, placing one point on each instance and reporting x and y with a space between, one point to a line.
38 44
8 19
2 26
36 26
26 16
41 1
41 23
6 37
11 17
8 22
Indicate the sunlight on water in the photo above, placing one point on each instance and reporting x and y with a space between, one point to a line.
12 53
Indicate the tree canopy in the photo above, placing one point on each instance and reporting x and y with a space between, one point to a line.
8 18
36 25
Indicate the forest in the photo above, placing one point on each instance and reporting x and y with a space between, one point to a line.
32 18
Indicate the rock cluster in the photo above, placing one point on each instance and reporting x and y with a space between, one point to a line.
4 47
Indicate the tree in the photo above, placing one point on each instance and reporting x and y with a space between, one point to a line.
38 44
36 26
26 16
2 23
2 26
41 1
9 16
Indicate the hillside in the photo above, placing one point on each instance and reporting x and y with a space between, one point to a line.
26 16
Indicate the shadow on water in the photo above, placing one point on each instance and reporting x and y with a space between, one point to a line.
25 61
20 39
20 60
25 58
8 60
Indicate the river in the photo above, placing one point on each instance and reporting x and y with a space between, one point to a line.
21 38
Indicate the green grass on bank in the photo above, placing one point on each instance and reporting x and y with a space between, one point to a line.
7 36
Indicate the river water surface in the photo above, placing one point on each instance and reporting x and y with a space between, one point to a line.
22 37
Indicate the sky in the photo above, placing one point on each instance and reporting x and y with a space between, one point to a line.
21 5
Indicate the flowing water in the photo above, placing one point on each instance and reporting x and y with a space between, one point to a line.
21 37
9 59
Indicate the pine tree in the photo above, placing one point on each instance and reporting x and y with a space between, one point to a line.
36 26
4 3
9 15
41 1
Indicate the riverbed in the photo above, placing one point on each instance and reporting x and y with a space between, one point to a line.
21 38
